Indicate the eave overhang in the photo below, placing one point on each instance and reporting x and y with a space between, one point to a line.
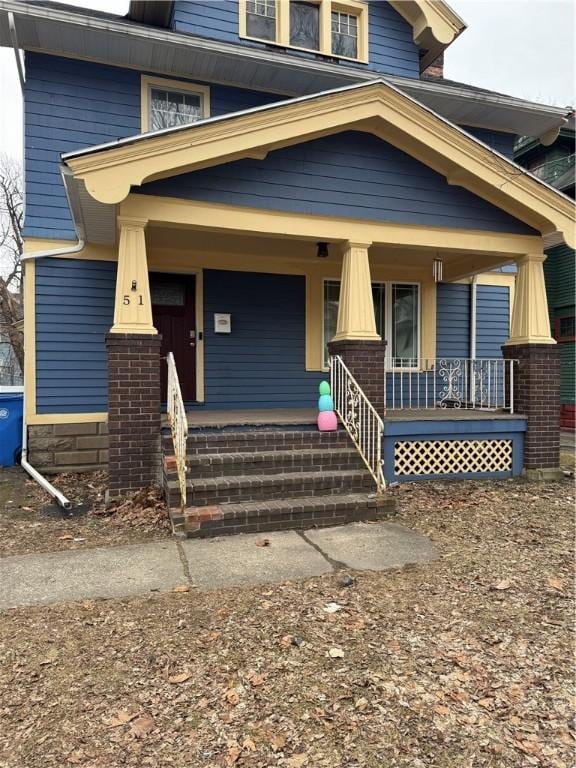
435 25
110 171
117 41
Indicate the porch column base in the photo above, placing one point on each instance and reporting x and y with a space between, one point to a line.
133 412
537 396
365 360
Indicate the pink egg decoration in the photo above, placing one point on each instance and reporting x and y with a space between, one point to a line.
327 421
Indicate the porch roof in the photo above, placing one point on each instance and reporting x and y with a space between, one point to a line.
105 174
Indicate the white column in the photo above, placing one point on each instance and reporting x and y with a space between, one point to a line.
132 307
356 319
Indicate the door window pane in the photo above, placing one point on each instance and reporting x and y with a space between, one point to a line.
405 324
345 34
331 301
167 293
305 25
261 19
172 108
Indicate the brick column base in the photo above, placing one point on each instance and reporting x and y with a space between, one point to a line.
537 396
365 361
133 412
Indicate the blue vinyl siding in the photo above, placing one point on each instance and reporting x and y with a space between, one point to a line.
74 312
261 364
390 39
501 142
70 105
453 320
492 319
354 175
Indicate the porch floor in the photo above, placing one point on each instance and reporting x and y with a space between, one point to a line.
307 416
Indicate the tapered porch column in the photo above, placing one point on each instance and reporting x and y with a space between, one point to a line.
133 346
537 374
356 339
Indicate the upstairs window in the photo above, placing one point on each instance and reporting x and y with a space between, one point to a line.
305 25
170 103
345 35
335 28
261 19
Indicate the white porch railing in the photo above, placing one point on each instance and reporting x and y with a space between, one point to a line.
178 424
451 382
359 418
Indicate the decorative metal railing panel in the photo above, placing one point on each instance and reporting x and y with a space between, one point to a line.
359 418
178 424
451 382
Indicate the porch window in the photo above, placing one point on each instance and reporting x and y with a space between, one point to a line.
344 35
396 310
305 25
171 108
261 19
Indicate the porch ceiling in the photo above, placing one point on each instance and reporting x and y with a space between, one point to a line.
108 172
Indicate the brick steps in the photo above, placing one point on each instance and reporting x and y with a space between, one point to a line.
269 462
219 490
263 478
281 514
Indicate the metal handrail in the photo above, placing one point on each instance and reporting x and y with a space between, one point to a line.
359 417
178 424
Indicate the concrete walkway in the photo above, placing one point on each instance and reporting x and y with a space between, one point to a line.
209 564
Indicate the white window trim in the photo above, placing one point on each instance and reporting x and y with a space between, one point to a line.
387 319
358 8
179 86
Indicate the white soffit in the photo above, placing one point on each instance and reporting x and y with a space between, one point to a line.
116 41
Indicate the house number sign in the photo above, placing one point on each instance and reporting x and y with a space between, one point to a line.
126 300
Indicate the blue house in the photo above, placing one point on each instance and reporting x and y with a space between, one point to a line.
229 202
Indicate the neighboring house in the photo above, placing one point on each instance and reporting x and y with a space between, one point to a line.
272 186
555 165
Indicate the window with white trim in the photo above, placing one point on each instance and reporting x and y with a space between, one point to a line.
169 108
305 25
397 316
261 19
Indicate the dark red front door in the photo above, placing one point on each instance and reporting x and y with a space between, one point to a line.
174 313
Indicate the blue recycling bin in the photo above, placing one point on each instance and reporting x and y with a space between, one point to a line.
11 406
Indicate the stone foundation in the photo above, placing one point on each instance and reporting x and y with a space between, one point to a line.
537 396
365 361
68 447
133 412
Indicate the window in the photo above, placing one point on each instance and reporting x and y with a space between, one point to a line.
344 35
169 103
261 19
396 311
565 328
305 25
330 27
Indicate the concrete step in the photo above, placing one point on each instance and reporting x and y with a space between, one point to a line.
241 488
267 462
256 439
282 514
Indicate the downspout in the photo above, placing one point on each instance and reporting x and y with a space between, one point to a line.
24 463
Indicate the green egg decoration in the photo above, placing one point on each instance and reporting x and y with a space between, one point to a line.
324 388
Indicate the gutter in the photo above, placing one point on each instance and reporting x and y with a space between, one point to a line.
62 500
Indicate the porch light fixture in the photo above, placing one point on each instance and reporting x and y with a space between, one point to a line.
437 270
322 250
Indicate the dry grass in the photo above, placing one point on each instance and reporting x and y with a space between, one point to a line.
464 662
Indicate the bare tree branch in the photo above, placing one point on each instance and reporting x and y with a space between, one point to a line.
11 249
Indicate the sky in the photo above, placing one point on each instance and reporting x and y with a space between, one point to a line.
523 48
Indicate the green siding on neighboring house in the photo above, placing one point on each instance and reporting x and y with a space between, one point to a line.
559 270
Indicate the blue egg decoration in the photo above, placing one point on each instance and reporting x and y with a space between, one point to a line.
325 403
324 388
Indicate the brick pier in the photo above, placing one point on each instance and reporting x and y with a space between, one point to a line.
365 361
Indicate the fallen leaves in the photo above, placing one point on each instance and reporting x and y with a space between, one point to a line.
503 585
263 543
181 588
142 726
179 678
336 653
121 718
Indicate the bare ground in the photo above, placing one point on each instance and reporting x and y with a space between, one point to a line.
31 522
464 662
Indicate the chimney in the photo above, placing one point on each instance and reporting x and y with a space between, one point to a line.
435 71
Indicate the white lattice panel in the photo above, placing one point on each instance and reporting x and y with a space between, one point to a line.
446 457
